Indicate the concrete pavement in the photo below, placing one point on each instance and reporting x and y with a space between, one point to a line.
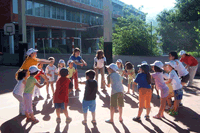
188 119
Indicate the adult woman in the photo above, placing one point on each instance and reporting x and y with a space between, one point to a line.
191 65
31 59
182 71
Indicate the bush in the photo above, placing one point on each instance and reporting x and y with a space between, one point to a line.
49 50
195 54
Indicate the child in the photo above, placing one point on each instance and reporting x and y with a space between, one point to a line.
131 75
160 85
143 80
77 61
61 95
19 89
176 84
50 72
99 63
37 77
117 96
89 101
120 68
28 91
71 71
153 83
61 64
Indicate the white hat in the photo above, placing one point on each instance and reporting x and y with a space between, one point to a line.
119 60
70 61
30 51
113 67
142 63
61 61
182 52
33 69
158 64
171 63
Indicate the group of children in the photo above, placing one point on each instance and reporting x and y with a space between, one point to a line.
27 86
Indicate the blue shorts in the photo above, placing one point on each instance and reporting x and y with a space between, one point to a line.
89 104
59 105
178 94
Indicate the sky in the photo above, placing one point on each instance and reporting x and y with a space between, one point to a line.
152 7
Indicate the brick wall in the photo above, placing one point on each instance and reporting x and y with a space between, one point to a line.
5 12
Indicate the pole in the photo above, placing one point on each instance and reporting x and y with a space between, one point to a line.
80 46
43 47
151 38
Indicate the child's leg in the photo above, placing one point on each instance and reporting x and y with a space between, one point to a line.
133 88
93 116
76 80
112 111
96 75
156 91
176 105
52 87
58 112
47 88
129 86
162 107
66 112
169 101
102 78
120 113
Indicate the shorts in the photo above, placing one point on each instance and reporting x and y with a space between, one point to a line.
145 95
185 78
51 79
117 99
59 105
91 105
130 80
164 92
178 94
171 91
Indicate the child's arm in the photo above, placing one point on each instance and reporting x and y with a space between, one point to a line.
24 82
39 85
84 63
44 77
84 82
47 72
168 81
77 63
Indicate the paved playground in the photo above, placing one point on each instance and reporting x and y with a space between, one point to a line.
188 119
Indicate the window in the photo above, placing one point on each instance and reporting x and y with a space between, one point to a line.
62 14
37 9
47 11
29 7
53 12
58 12
74 16
68 15
42 10
77 16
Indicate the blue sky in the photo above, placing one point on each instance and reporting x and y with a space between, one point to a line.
152 7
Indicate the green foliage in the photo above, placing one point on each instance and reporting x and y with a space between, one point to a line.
132 36
101 43
49 50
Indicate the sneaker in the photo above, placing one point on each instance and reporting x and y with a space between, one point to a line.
41 98
137 119
173 113
146 117
48 96
35 98
68 120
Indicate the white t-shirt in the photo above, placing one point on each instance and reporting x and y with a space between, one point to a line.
182 71
19 88
166 76
51 70
100 62
176 82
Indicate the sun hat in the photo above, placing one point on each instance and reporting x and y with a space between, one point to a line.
158 64
61 61
171 63
63 72
33 69
142 63
119 60
30 51
70 61
112 66
182 52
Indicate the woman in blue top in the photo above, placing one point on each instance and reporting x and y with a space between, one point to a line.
77 61
143 80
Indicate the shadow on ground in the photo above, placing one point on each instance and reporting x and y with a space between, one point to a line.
14 125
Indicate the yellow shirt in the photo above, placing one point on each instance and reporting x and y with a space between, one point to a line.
28 63
133 75
71 71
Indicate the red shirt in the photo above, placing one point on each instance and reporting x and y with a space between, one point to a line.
37 77
189 60
61 93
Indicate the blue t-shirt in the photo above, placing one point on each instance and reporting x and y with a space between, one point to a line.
141 79
77 59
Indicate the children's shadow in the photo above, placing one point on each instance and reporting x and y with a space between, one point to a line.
147 128
125 128
65 130
155 127
47 109
14 126
95 129
106 99
132 103
74 103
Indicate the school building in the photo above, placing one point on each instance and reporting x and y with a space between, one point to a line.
58 18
